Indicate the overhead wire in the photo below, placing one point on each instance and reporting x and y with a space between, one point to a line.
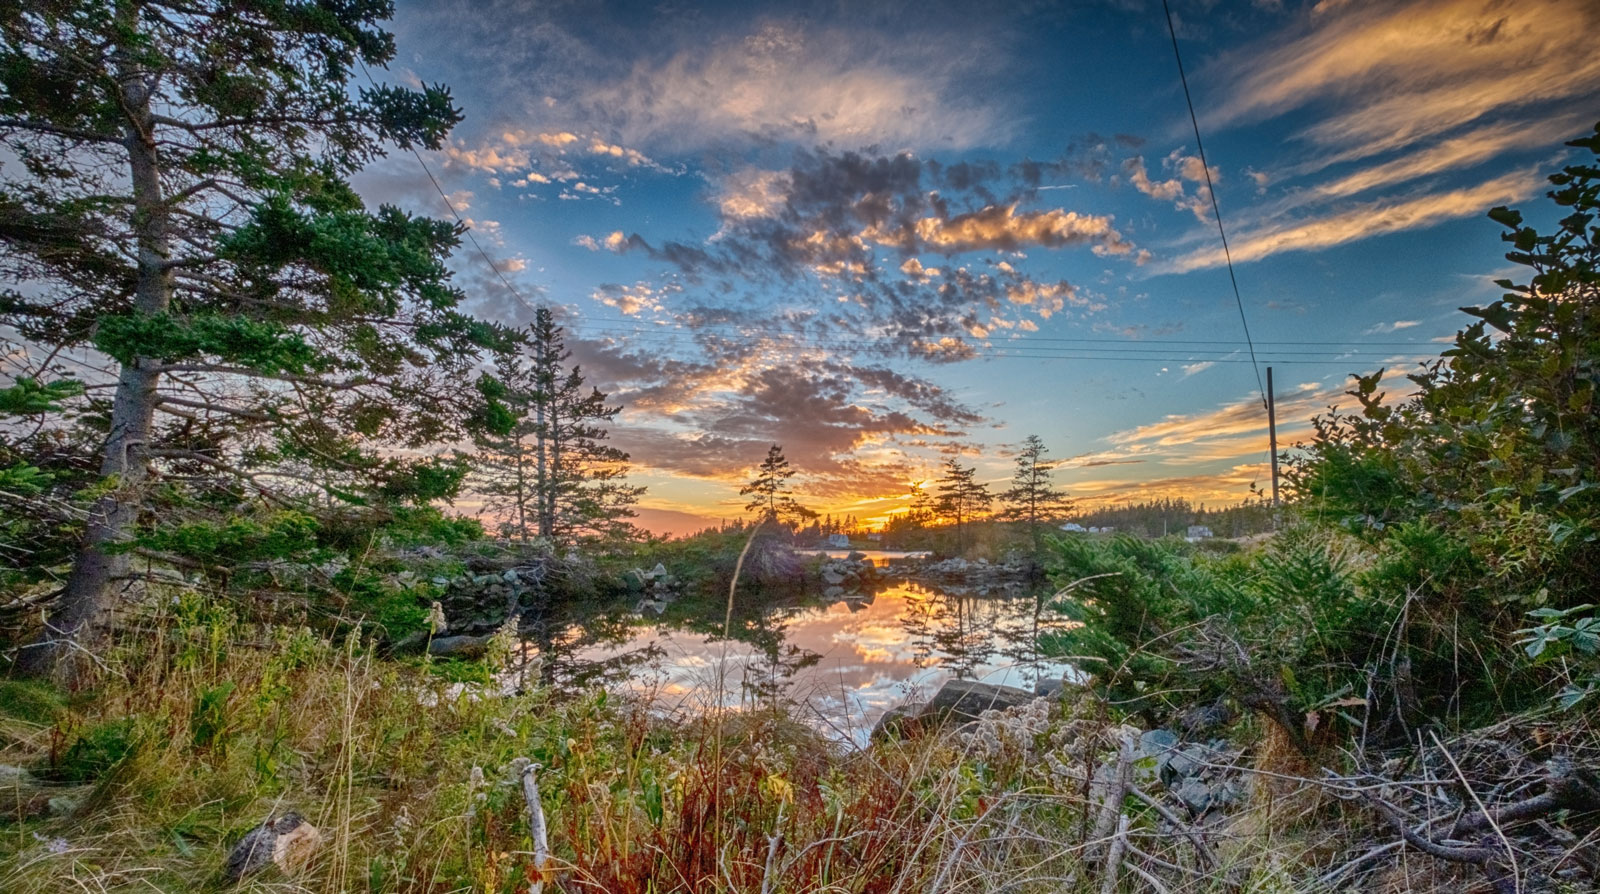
1211 190
465 227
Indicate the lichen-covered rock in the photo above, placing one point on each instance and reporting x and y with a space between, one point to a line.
287 842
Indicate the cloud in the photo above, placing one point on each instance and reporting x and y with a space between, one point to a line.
844 236
1454 154
788 81
1183 167
1364 221
1001 228
632 300
615 241
1396 326
1190 369
1404 72
751 193
837 419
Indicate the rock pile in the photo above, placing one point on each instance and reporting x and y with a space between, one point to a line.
657 588
844 578
968 577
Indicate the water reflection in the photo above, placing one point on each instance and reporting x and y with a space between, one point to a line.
846 661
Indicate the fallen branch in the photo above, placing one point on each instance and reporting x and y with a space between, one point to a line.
1116 790
528 770
1119 844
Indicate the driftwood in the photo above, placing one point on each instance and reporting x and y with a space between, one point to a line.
527 771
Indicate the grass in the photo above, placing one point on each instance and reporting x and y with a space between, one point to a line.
201 725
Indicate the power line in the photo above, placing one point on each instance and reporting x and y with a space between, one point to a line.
1025 348
1210 188
1114 346
457 215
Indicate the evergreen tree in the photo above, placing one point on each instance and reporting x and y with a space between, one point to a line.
504 471
553 475
1032 498
175 199
962 497
770 496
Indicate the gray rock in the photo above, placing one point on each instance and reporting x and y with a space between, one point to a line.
287 842
459 646
1184 762
65 805
855 556
833 593
964 700
1195 795
1157 742
831 577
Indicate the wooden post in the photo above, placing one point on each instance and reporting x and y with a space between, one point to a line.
1272 435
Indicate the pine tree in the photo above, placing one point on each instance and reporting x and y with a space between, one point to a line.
771 498
175 199
1032 498
553 476
962 497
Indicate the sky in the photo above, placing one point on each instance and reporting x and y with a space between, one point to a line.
881 234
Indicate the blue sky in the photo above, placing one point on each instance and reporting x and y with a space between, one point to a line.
879 233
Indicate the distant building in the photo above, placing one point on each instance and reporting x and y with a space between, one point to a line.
838 541
1075 528
875 537
1198 532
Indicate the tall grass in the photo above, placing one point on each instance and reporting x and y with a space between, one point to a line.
202 725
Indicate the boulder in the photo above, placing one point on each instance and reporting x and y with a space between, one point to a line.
832 577
459 646
855 556
964 700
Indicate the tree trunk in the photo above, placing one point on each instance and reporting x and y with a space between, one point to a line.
69 631
545 386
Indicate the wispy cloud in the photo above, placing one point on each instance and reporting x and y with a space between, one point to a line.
1363 221
1396 326
1399 73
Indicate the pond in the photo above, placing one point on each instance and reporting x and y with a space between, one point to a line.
844 661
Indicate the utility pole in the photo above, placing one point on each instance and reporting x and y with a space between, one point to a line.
1272 435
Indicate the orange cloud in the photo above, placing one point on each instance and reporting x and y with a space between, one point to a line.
1405 72
1001 228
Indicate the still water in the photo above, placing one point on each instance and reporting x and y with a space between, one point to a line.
843 661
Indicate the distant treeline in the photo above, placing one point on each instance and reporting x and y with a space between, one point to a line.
1174 516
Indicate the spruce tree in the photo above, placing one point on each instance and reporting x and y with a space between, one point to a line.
174 201
1033 498
771 498
962 497
553 475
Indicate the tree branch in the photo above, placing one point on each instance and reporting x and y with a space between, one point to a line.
69 133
